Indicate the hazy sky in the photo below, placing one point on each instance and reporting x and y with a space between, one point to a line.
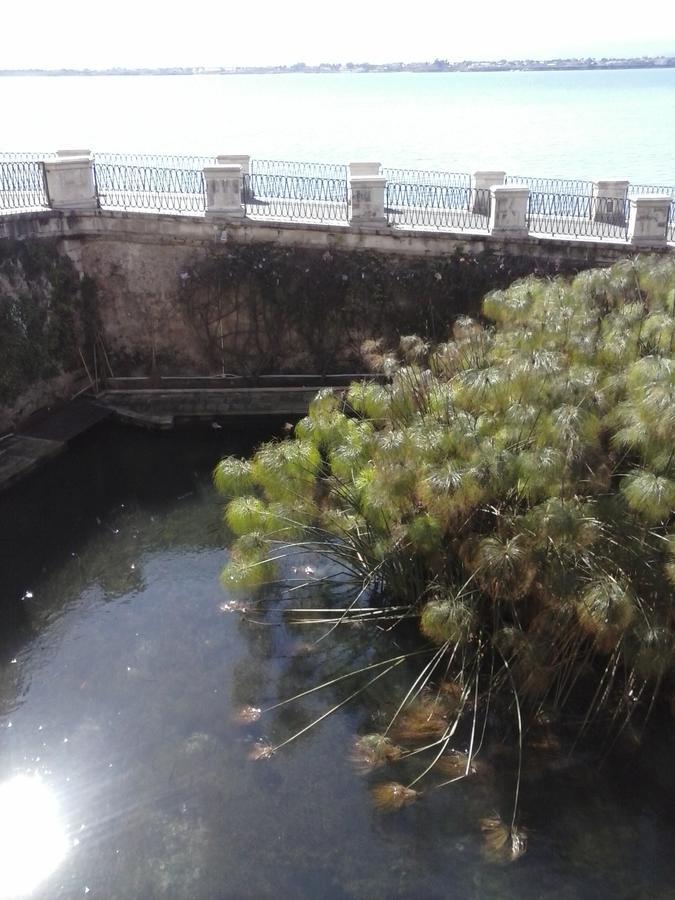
98 34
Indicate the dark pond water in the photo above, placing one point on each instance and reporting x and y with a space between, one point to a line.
124 775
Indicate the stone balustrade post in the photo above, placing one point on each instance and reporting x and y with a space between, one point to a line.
224 191
364 168
235 159
243 160
367 196
71 183
648 220
481 183
609 201
508 210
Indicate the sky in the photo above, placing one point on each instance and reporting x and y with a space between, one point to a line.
155 33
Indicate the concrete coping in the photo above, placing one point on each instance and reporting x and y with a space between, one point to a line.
233 159
648 199
222 169
364 168
611 182
510 188
66 162
490 173
62 153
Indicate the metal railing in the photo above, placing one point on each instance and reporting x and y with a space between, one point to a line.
150 188
156 160
578 187
578 216
320 192
436 206
428 176
27 156
664 189
294 197
23 186
331 171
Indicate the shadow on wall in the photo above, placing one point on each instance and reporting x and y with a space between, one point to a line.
47 316
260 308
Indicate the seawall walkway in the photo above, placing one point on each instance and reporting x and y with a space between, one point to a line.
363 195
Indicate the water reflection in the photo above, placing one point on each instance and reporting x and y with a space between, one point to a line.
124 683
32 837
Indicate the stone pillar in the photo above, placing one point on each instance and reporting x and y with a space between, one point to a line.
235 159
223 191
71 183
364 168
481 183
73 153
367 194
648 221
243 160
508 210
609 201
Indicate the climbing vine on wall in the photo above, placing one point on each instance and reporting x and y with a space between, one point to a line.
260 308
46 313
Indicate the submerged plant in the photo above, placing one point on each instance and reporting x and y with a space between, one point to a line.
512 492
390 796
502 844
374 750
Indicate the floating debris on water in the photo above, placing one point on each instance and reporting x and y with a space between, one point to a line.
247 714
261 750
304 648
232 606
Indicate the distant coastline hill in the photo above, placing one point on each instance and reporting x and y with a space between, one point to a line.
438 65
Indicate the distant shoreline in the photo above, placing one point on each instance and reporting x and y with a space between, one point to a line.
438 65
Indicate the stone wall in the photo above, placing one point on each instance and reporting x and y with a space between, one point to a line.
186 295
47 313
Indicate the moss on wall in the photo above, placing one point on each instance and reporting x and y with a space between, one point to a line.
46 313
265 308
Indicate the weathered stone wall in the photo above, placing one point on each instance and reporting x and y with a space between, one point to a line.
142 321
47 312
189 295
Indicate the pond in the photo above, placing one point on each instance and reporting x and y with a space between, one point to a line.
123 770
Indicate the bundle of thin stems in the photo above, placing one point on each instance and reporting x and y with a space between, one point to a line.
512 491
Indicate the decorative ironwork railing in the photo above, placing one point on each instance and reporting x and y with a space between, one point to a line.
294 197
437 206
320 192
156 160
575 186
578 216
427 176
664 189
27 156
22 186
146 187
331 171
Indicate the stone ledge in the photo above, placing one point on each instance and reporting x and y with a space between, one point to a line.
20 455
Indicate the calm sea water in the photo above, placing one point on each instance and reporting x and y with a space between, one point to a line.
565 124
123 775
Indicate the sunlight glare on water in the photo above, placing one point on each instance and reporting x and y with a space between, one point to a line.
32 837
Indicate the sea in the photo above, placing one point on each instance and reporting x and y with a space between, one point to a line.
565 124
